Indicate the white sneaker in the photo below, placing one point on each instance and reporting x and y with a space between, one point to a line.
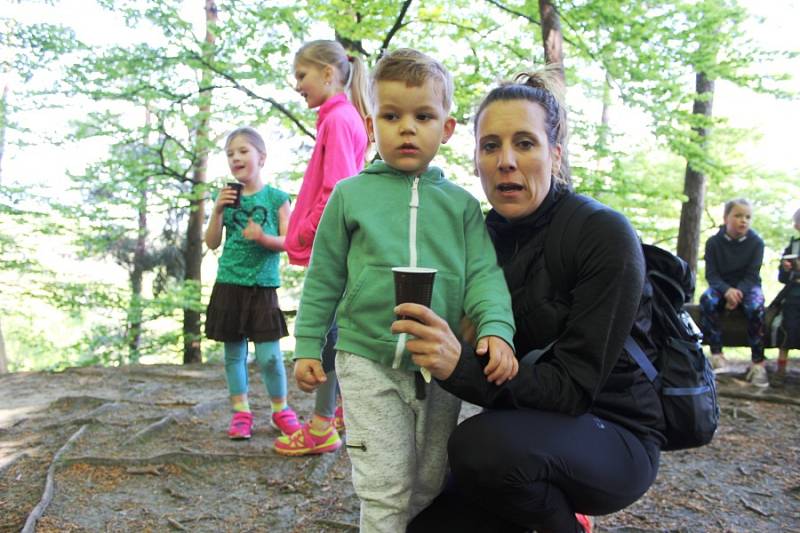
757 376
718 361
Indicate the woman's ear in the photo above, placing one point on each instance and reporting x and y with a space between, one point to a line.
555 155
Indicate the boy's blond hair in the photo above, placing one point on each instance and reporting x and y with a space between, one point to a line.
414 68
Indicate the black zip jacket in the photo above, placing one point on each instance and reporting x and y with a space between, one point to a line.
586 369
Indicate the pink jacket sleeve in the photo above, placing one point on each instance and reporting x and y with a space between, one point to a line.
340 160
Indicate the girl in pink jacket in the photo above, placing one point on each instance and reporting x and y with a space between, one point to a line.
325 73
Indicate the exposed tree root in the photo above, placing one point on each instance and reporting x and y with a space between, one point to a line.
11 462
334 523
757 396
166 458
318 473
49 485
204 408
753 507
151 430
161 424
175 524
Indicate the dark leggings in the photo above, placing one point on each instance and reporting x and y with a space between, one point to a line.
712 302
513 471
325 399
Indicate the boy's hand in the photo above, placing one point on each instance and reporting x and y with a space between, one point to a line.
502 363
309 374
252 232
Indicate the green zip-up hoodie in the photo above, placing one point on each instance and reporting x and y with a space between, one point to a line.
383 218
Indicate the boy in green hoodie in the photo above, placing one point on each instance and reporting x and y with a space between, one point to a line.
398 212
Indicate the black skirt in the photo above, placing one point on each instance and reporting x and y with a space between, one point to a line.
237 313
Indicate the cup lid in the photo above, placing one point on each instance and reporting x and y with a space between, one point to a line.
414 270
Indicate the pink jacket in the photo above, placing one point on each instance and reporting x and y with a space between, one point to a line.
338 153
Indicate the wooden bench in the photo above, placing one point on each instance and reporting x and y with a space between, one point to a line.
734 325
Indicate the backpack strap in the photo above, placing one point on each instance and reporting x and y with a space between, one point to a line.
635 351
565 228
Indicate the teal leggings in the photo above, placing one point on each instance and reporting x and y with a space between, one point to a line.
270 361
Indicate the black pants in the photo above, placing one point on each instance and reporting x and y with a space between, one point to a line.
513 471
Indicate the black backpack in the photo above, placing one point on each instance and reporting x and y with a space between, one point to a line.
680 371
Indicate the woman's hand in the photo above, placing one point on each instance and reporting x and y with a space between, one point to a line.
432 343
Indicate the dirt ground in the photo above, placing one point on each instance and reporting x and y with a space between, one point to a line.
143 448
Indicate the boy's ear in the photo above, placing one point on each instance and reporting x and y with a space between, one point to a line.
448 129
370 129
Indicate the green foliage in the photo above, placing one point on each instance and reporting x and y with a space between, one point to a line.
146 99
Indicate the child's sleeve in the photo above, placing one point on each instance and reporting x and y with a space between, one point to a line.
338 162
751 275
786 276
487 300
713 276
325 281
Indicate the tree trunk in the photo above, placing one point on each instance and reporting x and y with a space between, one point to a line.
602 137
3 122
553 42
194 233
694 185
137 275
3 358
552 38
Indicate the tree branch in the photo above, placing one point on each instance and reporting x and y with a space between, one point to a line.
539 23
398 23
513 12
249 92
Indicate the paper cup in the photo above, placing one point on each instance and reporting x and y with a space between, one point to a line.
413 285
235 185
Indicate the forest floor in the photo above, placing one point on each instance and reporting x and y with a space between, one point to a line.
143 448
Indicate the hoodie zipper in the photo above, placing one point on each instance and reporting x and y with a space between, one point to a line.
413 208
412 223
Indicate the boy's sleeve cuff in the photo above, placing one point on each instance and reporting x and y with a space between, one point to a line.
307 348
498 329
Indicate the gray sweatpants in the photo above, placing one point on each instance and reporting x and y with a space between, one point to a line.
397 443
